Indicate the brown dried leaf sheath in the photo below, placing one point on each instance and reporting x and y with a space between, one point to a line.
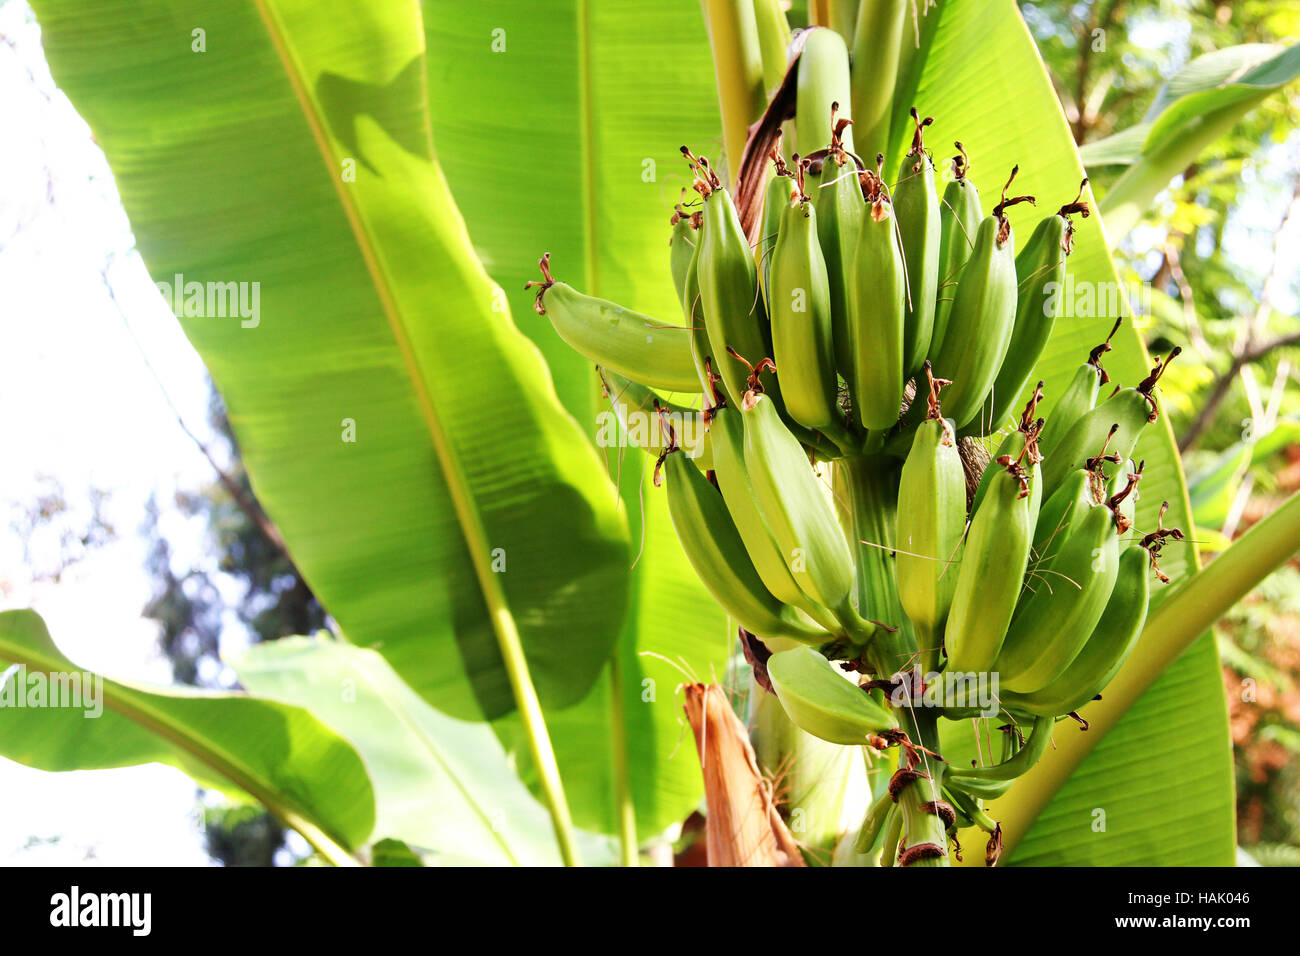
743 826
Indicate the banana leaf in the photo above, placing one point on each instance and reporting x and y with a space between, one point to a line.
280 754
1162 764
442 785
403 435
559 127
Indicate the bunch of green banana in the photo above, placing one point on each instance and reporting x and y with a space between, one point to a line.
1062 605
878 333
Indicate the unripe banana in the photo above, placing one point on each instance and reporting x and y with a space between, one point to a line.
728 280
983 313
681 250
1072 500
692 304
960 214
820 701
1123 497
1040 271
877 291
800 310
916 206
823 80
634 345
727 447
931 523
840 210
796 509
1079 397
643 415
1013 446
1107 648
1052 624
1129 408
715 550
776 199
992 569
992 782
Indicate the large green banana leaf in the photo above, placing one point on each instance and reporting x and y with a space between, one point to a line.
559 126
305 773
397 427
441 784
1162 771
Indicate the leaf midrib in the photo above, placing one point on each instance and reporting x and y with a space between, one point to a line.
123 701
467 514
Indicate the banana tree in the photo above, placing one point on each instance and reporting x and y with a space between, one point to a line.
389 180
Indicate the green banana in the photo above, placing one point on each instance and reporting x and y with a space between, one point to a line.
1107 648
716 552
1131 409
799 307
1079 397
1124 497
728 280
681 251
916 207
992 782
960 214
878 38
992 569
931 523
820 701
840 211
727 446
642 413
796 508
1040 269
983 313
822 84
692 307
773 39
634 345
1053 622
877 290
1013 446
776 199
1070 501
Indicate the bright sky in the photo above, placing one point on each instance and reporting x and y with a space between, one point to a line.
78 404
